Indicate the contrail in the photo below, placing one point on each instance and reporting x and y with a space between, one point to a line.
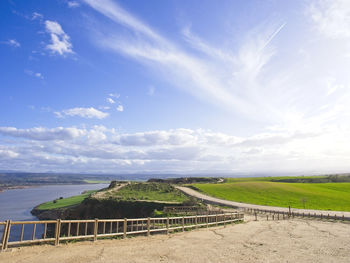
273 36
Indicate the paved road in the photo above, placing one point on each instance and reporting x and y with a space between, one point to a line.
214 200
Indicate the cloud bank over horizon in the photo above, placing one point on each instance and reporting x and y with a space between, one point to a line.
99 149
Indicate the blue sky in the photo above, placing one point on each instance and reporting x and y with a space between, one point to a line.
175 86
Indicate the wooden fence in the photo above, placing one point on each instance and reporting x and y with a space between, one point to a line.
55 231
276 215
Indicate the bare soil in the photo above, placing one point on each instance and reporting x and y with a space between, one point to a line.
253 241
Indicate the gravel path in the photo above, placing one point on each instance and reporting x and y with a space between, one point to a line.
214 200
254 241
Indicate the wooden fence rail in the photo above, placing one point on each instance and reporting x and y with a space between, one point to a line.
55 231
284 214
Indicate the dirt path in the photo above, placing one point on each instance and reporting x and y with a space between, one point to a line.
218 201
109 192
254 241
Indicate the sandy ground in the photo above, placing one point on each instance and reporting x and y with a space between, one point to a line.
253 241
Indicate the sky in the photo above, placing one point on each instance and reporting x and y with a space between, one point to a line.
175 86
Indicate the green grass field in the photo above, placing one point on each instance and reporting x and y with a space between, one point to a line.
97 181
65 202
262 191
151 192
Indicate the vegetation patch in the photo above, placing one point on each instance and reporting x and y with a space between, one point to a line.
272 191
161 192
65 202
97 181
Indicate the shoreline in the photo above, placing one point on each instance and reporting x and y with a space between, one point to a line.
13 187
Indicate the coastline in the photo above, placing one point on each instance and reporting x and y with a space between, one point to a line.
3 189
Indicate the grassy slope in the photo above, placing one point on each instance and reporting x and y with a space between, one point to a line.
69 201
324 196
150 192
97 181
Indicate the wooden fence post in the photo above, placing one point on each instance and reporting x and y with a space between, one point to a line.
207 220
95 229
125 227
216 219
148 226
256 218
167 225
183 224
6 235
57 232
196 221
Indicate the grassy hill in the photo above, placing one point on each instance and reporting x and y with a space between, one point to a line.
65 202
147 192
158 192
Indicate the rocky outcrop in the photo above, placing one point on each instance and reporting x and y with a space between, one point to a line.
92 208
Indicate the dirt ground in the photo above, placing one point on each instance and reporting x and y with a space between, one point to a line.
253 241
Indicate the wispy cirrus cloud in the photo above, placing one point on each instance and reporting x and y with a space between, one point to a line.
37 15
73 4
253 79
175 63
11 42
34 74
43 134
88 113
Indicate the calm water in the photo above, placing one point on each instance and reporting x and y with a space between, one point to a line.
16 204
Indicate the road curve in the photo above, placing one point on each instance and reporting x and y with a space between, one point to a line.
217 201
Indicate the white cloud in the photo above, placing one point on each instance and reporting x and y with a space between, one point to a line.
7 154
34 74
38 75
114 95
120 108
331 17
60 41
36 15
44 134
83 112
73 4
104 107
11 42
110 100
181 150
